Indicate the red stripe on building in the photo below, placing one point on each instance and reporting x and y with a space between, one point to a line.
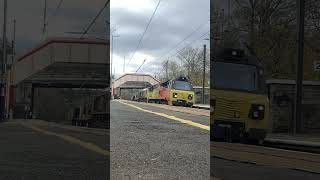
61 40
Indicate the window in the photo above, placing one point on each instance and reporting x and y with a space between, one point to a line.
234 76
182 85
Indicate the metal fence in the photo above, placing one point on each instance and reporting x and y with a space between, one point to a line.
198 94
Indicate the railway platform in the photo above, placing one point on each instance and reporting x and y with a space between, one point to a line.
298 140
157 141
202 106
37 149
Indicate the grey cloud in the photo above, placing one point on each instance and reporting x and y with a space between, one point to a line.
174 20
74 15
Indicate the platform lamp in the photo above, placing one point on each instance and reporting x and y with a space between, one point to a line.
204 70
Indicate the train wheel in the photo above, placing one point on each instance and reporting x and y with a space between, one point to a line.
244 138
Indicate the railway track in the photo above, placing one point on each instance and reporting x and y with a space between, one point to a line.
188 110
194 106
267 155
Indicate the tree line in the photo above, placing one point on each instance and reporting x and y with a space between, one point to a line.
268 30
188 62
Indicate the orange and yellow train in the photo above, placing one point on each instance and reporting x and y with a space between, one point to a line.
177 91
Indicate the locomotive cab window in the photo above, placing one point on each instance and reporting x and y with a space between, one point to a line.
235 76
182 85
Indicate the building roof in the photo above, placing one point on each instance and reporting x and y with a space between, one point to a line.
135 77
136 74
61 40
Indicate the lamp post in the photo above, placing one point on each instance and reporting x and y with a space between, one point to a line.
111 63
204 70
4 58
299 67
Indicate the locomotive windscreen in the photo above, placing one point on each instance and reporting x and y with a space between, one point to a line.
182 85
234 76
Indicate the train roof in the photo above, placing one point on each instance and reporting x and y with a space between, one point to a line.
180 78
233 55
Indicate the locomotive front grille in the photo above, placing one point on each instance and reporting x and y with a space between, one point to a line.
228 109
182 96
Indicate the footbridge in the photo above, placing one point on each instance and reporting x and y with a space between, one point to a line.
129 84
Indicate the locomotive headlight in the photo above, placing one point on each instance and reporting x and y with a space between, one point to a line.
212 109
257 111
255 114
261 107
174 95
190 96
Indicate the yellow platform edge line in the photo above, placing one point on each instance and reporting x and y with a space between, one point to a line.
72 140
73 128
189 122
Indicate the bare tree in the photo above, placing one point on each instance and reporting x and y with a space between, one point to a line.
189 62
267 30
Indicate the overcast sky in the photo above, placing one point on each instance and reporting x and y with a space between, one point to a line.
73 15
173 21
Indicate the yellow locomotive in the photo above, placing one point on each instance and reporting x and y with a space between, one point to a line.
177 91
238 99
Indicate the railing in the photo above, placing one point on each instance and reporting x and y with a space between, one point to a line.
96 120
